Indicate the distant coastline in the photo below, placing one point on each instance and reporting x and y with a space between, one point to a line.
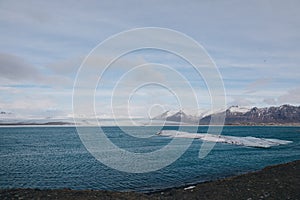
37 124
63 124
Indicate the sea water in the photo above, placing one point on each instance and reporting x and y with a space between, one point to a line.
54 157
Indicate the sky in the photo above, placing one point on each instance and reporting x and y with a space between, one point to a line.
254 44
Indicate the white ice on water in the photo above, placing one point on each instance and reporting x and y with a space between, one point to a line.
248 141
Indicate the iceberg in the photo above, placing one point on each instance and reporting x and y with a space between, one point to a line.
248 141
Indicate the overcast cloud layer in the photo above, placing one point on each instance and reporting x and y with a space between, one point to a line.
255 45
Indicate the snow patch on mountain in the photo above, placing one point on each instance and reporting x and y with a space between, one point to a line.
238 109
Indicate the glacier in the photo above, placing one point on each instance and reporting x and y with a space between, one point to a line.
248 141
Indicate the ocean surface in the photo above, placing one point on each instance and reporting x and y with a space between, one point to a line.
54 157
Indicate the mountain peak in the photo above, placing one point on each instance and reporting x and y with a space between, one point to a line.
179 116
238 109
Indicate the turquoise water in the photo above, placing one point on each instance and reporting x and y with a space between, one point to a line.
54 157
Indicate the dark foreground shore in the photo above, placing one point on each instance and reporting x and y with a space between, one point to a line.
274 182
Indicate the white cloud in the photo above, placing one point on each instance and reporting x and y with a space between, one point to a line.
291 96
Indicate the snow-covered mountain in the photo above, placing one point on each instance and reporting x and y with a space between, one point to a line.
178 116
238 109
285 114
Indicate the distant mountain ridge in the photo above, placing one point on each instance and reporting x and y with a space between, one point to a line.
179 116
285 114
235 115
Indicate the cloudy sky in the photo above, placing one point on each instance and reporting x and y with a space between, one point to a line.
254 44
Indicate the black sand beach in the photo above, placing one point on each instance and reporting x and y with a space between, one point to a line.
274 182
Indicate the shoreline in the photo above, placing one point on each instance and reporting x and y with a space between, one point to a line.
73 125
280 181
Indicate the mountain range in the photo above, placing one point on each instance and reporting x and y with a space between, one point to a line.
235 115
